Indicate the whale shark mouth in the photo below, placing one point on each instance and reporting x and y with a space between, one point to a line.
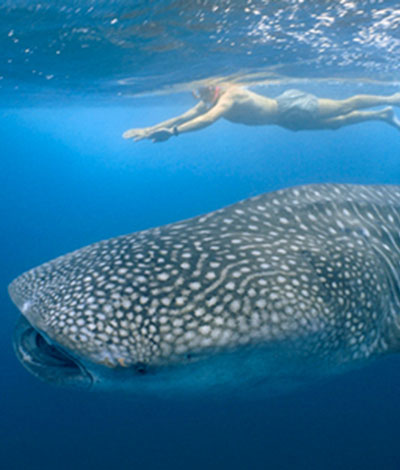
46 361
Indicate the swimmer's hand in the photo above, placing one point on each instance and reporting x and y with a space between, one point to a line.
160 135
136 134
156 135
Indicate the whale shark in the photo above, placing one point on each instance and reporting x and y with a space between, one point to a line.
285 287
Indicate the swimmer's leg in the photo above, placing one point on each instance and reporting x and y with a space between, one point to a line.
387 115
335 108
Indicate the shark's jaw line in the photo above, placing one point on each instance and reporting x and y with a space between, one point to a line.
47 361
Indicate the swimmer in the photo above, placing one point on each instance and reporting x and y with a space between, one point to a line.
293 109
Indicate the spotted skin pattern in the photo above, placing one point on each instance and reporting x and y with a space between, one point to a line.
314 267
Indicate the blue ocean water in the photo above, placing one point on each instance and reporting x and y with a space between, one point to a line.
75 76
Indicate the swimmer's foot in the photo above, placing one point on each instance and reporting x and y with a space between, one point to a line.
390 117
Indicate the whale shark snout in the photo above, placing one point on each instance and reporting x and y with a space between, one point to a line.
32 297
17 295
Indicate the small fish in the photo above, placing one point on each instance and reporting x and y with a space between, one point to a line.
284 287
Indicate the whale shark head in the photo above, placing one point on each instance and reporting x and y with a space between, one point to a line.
298 282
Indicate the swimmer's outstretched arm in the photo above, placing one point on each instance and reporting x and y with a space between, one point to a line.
205 119
143 133
162 134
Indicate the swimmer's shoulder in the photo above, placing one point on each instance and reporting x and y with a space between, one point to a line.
232 91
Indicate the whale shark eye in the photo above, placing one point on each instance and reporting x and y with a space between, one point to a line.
140 368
